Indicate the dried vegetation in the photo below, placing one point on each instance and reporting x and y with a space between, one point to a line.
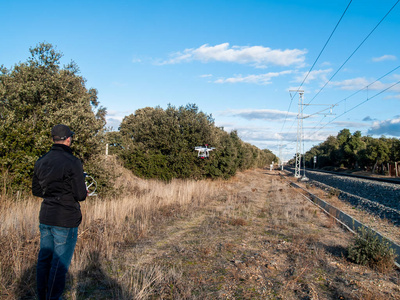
251 237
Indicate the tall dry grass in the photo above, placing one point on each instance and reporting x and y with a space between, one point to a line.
109 226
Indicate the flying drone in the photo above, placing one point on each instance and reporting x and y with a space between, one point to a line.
203 152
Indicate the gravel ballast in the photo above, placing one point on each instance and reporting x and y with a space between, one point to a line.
379 198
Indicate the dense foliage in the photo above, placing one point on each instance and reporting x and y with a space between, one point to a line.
354 151
154 143
34 96
158 143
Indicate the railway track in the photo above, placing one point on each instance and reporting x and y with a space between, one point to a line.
349 221
378 179
376 196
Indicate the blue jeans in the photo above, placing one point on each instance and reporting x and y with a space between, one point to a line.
57 246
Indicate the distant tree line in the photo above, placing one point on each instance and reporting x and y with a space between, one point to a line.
158 143
154 143
354 151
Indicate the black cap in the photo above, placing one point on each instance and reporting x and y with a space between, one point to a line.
61 132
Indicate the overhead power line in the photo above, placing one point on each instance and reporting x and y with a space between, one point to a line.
312 67
364 88
351 55
323 48
358 47
354 107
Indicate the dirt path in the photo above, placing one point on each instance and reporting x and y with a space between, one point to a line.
257 240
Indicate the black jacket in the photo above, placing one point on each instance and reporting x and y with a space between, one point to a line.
58 178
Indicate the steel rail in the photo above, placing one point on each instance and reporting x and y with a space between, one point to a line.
387 180
348 222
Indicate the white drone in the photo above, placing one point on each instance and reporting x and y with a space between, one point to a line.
203 152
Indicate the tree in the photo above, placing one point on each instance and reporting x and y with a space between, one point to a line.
330 156
160 144
343 152
395 150
36 95
377 151
351 149
354 150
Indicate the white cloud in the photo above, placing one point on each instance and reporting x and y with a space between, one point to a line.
136 60
257 56
260 114
313 75
360 83
387 127
326 63
257 79
384 58
393 96
114 118
113 123
268 137
349 124
351 84
205 75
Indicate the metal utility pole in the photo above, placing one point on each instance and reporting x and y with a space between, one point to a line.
299 134
300 137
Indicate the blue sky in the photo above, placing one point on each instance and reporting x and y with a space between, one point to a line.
236 60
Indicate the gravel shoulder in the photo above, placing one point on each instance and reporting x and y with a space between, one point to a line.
361 209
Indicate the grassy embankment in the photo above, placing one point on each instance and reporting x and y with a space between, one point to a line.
251 237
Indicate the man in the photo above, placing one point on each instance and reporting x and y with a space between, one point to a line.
58 178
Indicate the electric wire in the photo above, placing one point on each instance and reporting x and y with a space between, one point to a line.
323 48
359 104
312 67
351 55
366 87
355 93
345 99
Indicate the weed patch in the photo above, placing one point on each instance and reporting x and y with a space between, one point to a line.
369 250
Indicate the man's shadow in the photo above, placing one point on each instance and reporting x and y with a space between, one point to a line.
26 287
93 283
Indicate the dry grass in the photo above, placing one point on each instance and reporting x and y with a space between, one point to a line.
252 237
108 226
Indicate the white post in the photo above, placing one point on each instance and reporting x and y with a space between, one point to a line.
299 136
106 149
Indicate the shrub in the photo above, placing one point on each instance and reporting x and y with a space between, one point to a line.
35 96
369 250
158 143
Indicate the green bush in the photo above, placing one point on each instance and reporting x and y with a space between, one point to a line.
369 250
158 143
34 96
